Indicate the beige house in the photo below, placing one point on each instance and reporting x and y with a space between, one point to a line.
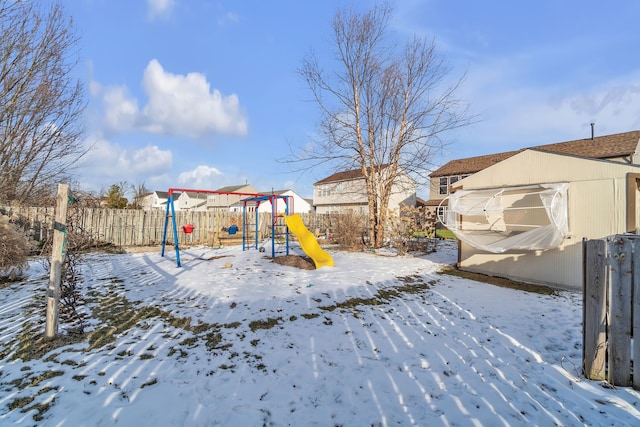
190 201
622 147
525 217
230 202
346 192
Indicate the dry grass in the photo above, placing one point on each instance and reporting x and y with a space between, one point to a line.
499 281
15 248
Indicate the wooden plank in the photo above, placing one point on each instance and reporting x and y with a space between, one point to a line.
594 332
620 285
57 259
635 351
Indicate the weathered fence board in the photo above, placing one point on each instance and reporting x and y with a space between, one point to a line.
128 227
612 310
620 253
595 311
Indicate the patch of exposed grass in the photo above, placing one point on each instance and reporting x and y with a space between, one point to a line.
264 324
149 383
445 234
412 285
225 366
34 380
20 402
189 342
232 325
499 281
212 340
40 408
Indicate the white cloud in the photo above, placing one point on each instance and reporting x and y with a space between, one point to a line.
107 163
202 177
185 105
517 112
121 111
179 105
159 8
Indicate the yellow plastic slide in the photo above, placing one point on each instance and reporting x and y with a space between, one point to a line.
308 242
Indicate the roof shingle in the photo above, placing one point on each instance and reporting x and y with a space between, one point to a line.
601 147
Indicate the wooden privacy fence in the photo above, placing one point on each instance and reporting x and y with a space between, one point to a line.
611 310
127 227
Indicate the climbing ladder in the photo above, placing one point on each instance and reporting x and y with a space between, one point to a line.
251 223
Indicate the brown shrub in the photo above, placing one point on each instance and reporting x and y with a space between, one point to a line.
15 247
412 229
349 230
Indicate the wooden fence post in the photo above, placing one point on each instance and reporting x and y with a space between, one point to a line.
620 252
57 259
594 332
635 310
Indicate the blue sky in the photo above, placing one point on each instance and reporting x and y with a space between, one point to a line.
203 94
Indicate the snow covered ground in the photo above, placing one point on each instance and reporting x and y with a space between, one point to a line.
376 340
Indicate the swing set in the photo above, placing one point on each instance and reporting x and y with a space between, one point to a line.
278 229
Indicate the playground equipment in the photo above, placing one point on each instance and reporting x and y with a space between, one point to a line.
279 230
308 242
251 230
171 213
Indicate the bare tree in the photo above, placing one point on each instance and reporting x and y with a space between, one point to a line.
384 110
40 101
139 190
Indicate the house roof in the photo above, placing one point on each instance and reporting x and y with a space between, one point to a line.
196 195
231 188
349 175
342 176
471 164
601 147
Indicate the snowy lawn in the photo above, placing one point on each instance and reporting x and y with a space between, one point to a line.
376 340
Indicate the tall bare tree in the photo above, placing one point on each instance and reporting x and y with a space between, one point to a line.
139 190
384 108
40 101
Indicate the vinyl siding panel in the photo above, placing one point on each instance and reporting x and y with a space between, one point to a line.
597 207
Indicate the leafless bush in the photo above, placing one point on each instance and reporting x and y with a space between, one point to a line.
77 243
349 230
413 229
15 248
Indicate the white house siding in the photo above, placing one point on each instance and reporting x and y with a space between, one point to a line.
351 195
597 208
191 201
297 203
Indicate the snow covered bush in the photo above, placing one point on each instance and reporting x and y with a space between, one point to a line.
15 247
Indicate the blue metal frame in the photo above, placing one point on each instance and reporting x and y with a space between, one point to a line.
175 229
274 214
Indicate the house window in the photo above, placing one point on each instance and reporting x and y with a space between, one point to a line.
453 179
444 185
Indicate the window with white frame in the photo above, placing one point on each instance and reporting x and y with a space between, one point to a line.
446 182
444 185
